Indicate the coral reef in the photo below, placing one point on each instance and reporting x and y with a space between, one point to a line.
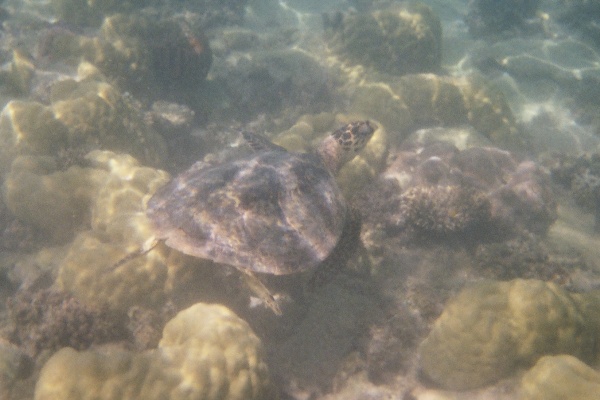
50 319
46 181
435 190
53 203
489 17
18 76
443 210
491 328
154 59
206 352
118 227
396 41
561 377
581 175
310 130
274 81
423 100
83 115
84 13
15 365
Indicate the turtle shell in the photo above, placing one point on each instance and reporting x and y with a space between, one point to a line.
274 212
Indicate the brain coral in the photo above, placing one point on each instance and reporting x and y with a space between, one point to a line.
206 353
492 328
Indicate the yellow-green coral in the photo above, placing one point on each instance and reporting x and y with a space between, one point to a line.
41 146
83 115
561 377
206 353
29 128
492 328
54 202
97 116
119 226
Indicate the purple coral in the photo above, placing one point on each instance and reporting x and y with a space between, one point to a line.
483 191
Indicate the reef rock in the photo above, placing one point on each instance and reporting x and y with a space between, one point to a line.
489 17
397 41
492 328
206 353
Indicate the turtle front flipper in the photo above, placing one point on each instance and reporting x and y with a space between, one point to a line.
260 290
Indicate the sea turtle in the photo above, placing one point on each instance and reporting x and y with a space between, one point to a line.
272 212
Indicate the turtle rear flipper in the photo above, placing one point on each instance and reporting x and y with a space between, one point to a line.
260 290
347 247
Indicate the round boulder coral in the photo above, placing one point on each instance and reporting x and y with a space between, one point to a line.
561 377
492 328
206 353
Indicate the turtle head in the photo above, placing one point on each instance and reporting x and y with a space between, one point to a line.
343 144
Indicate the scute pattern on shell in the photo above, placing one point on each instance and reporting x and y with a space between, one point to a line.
273 212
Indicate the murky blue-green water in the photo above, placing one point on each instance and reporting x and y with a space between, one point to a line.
452 255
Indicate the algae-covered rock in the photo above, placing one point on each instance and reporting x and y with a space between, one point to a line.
492 328
561 377
396 41
49 319
206 353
